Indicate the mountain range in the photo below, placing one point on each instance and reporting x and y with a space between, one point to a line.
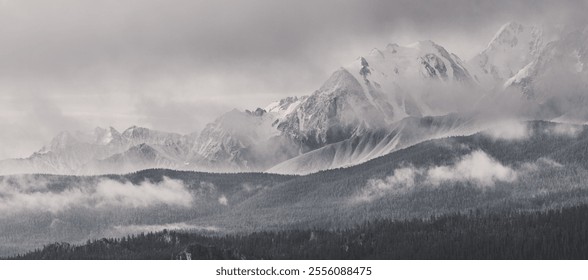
389 99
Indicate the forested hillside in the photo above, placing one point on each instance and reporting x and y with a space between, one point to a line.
554 234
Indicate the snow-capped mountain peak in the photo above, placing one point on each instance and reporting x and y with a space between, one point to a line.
59 142
135 132
557 78
280 109
106 136
512 47
507 36
423 59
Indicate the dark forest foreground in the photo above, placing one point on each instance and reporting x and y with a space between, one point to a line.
553 234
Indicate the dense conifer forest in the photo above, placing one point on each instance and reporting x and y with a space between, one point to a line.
552 234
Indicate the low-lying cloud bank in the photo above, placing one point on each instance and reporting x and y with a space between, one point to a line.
477 167
509 130
565 129
518 130
24 194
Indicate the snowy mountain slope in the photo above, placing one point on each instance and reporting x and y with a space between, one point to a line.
72 152
368 96
224 138
513 47
139 157
171 145
245 140
557 79
67 152
361 148
375 91
280 109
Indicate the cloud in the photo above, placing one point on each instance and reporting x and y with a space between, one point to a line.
187 116
15 198
477 168
519 130
168 192
402 181
539 164
19 137
509 130
564 129
223 200
251 187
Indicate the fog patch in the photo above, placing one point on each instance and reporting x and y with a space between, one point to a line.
168 192
251 188
402 181
509 130
107 193
565 129
547 162
223 200
540 164
23 182
477 167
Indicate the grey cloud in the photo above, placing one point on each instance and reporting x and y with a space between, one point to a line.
63 37
20 194
402 181
223 200
564 129
517 130
229 35
509 130
26 124
476 167
178 116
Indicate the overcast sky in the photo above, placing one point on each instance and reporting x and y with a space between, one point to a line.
175 65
